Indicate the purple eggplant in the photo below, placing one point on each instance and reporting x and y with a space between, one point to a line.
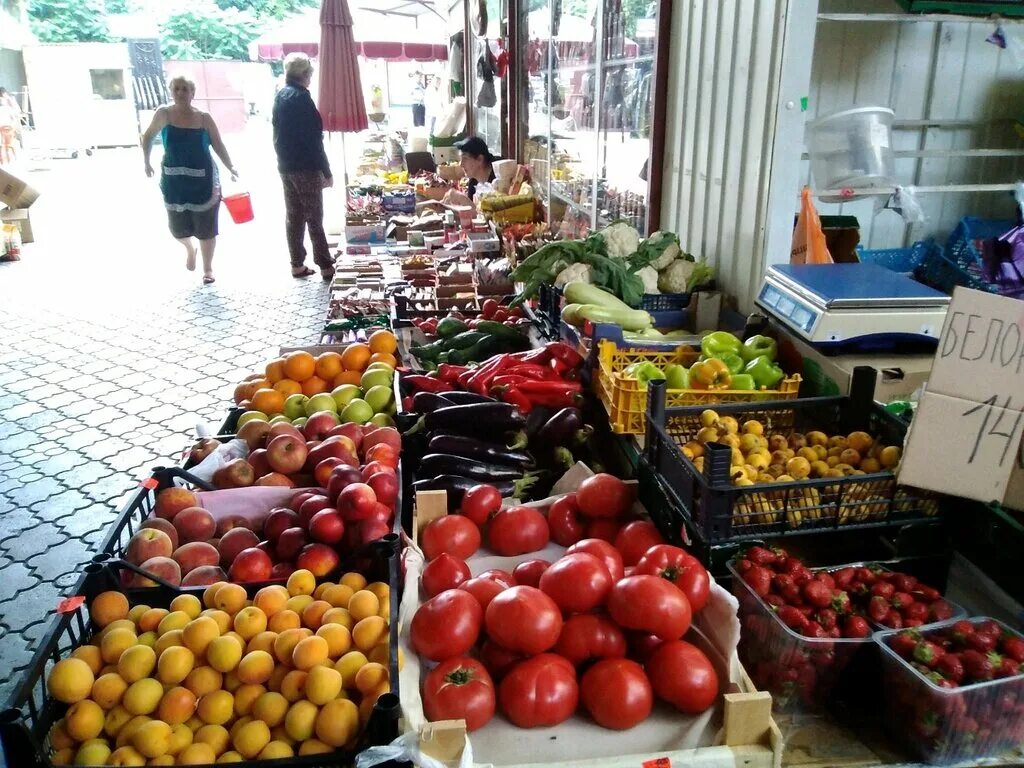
566 427
481 450
434 464
426 402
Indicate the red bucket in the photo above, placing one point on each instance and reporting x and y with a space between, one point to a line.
240 207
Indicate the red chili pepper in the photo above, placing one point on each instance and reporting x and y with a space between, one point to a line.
562 351
481 380
507 380
516 398
407 403
531 371
541 356
450 373
555 399
544 387
427 384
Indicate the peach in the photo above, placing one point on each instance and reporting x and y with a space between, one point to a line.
194 555
170 501
275 478
146 544
163 568
319 559
203 576
233 542
164 525
194 524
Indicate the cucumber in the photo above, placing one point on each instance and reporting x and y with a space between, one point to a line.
629 319
578 292
498 329
571 314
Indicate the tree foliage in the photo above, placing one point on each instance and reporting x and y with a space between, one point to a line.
68 21
263 9
208 32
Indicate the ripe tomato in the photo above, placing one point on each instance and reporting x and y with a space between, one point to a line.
565 522
577 583
444 572
483 589
529 572
539 691
634 539
681 568
641 645
517 530
604 495
603 551
459 689
498 660
588 636
504 578
605 529
651 604
454 534
617 693
479 503
523 619
683 676
447 625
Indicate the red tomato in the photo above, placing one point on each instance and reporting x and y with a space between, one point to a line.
498 660
564 520
444 572
651 604
642 645
454 534
447 625
634 539
523 619
681 568
488 308
604 495
479 503
683 676
605 529
617 693
504 578
603 551
588 636
483 589
539 691
578 582
459 689
516 531
529 572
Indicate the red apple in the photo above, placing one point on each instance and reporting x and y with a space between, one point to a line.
356 502
322 472
283 428
258 461
384 453
387 435
371 530
281 571
236 473
278 521
310 507
254 433
276 478
286 454
290 543
194 524
233 542
298 498
230 522
342 476
319 424
266 546
352 431
203 448
382 513
385 487
318 559
250 565
326 526
339 447
374 467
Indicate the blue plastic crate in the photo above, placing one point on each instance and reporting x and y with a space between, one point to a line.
964 247
904 260
942 274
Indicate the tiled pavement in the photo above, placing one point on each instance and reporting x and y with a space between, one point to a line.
110 353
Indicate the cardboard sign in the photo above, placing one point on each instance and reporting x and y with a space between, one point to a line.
967 438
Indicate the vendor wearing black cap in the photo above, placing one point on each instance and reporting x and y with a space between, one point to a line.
476 161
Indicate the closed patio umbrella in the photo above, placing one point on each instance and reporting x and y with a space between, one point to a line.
341 93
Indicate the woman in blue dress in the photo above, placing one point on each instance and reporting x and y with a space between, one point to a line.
189 178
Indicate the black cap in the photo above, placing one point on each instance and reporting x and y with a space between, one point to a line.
474 145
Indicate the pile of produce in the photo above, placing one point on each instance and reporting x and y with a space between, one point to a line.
601 626
462 342
490 310
294 671
616 260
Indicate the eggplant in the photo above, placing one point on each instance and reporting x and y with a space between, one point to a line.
471 448
468 398
446 463
537 418
477 418
456 486
564 428
425 402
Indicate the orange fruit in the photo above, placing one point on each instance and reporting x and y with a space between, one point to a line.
314 385
288 387
270 401
383 341
348 377
275 370
328 365
299 366
384 357
356 357
107 607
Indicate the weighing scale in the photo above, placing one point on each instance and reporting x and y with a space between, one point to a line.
847 307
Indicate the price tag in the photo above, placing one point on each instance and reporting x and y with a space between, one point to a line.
150 483
70 604
658 762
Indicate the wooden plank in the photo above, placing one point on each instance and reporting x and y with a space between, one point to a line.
747 717
443 740
430 505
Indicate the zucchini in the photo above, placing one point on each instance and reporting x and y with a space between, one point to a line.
578 292
500 330
450 326
571 314
629 319
465 340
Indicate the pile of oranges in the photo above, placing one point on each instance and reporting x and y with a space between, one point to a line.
302 373
295 670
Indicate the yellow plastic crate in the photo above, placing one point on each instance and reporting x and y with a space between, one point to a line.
517 214
626 402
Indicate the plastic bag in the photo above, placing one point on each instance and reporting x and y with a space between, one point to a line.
1003 263
904 201
808 238
407 747
225 452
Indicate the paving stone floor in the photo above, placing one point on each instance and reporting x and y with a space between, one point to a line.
110 353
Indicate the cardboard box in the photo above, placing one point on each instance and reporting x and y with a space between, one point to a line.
15 192
20 217
967 437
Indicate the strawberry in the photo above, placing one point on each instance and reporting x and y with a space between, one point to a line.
893 620
883 589
939 610
759 579
825 578
903 582
814 629
983 643
988 627
775 601
856 626
961 631
843 577
926 594
760 555
1013 647
878 609
977 666
904 643
950 666
840 602
792 618
791 594
780 581
1007 667
743 565
928 653
917 611
817 594
826 617
901 600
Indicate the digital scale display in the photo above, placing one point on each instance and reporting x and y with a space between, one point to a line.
785 307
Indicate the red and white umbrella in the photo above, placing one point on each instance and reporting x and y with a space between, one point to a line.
341 93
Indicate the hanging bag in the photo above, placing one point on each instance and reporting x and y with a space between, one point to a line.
808 238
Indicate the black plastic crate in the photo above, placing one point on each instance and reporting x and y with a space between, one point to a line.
29 714
230 424
720 512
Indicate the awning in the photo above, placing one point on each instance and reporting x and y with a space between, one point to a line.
388 51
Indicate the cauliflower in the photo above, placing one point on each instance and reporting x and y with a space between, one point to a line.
573 272
649 276
620 239
674 277
668 244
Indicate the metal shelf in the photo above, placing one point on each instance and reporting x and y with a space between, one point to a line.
853 193
580 208
917 18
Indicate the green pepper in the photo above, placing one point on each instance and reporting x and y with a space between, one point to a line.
766 374
759 346
677 376
742 381
720 343
734 363
644 372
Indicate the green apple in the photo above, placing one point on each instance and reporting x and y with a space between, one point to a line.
299 422
252 416
382 420
375 378
321 402
295 406
345 394
380 366
357 411
379 398
280 419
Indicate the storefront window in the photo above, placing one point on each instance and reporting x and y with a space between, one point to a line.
107 84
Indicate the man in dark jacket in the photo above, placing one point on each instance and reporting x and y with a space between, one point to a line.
302 162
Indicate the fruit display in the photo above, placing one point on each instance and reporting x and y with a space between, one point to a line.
220 677
490 310
891 599
724 363
955 691
459 344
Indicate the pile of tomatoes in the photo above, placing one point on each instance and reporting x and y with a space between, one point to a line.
601 626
